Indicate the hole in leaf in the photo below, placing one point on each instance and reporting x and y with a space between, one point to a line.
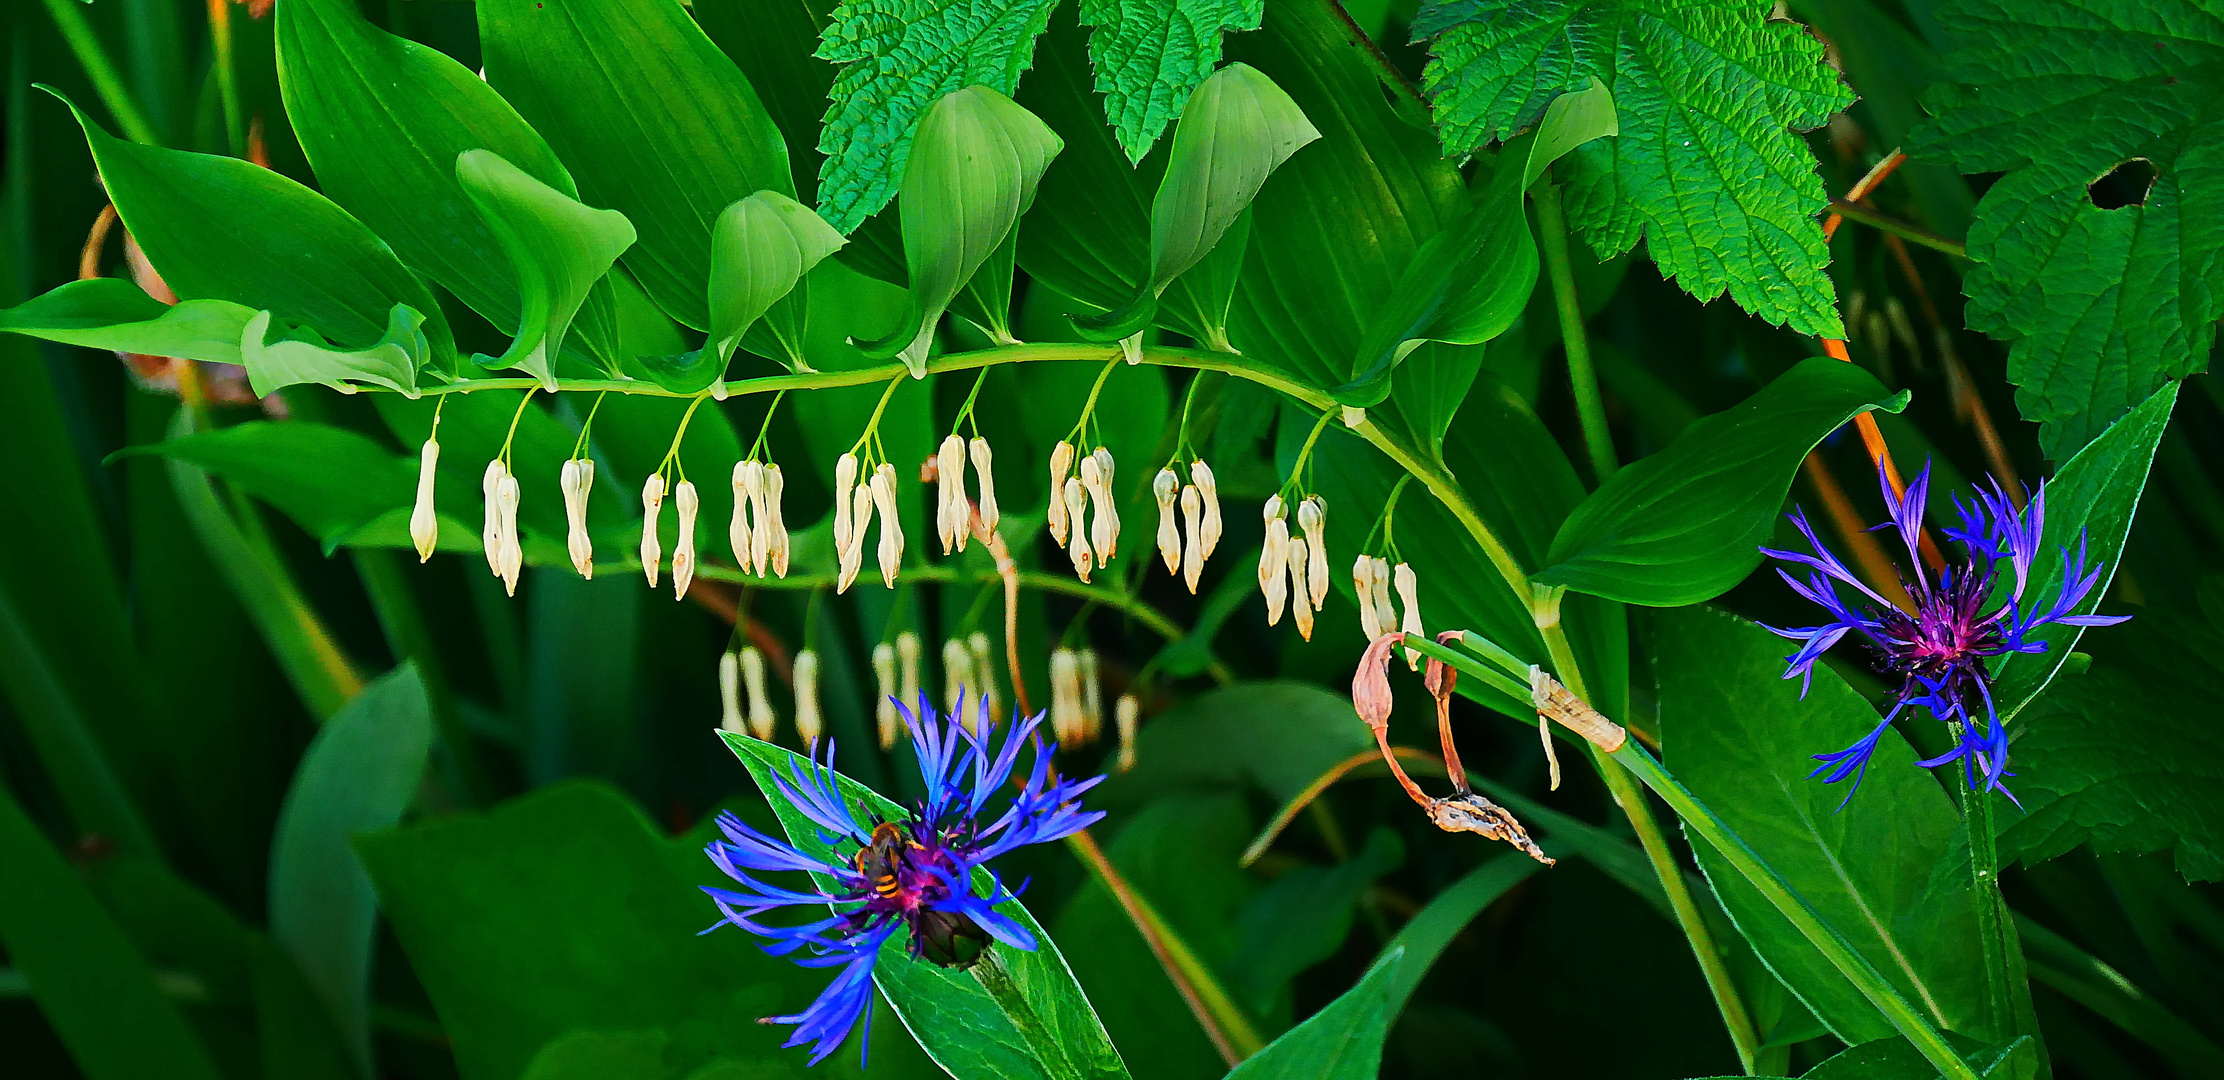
2125 185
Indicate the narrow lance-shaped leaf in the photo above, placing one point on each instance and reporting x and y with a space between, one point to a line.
972 173
1470 282
557 246
760 250
1236 130
1686 524
111 313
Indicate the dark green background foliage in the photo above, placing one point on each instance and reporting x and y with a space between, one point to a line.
278 802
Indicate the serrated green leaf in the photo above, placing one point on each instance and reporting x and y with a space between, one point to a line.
966 1029
382 119
2102 306
971 174
1150 55
303 356
557 246
1709 168
1684 525
111 313
898 58
760 250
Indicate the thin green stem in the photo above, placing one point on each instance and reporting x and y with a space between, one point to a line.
1590 412
1089 407
69 18
672 456
872 426
586 427
2008 1004
1305 454
1885 224
227 74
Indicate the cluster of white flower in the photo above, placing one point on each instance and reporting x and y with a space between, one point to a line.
747 706
1374 579
1200 520
1295 568
1081 494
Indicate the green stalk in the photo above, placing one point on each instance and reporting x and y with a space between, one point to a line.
69 18
1896 227
2008 1006
1590 412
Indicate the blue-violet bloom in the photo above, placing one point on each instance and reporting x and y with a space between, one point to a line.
1980 607
911 875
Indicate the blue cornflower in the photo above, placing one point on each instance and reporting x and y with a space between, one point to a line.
1940 647
912 875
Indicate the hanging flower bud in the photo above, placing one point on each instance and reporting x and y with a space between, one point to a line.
845 479
490 536
1208 489
1301 594
513 553
1166 489
1274 560
1410 598
851 551
808 722
1104 523
1062 514
1078 550
1312 516
760 520
884 711
577 479
1385 615
652 508
1193 555
907 668
985 478
761 718
984 670
950 506
776 528
891 526
683 552
1092 695
747 475
1126 715
1363 583
729 694
424 526
957 678
1065 697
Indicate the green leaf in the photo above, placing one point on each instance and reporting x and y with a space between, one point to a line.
1742 739
303 356
94 988
1895 1058
359 774
760 250
653 121
971 174
558 247
111 313
304 259
2089 505
900 57
1150 55
1303 918
1236 130
382 119
2102 305
1709 170
1275 736
1050 1031
1686 524
329 480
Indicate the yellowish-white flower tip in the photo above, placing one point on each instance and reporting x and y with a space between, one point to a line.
1062 512
761 718
760 519
1274 559
951 508
1076 502
884 710
1385 614
957 676
1208 489
683 552
747 474
1092 695
984 475
845 481
490 536
424 523
1312 516
1409 596
1166 491
513 553
776 527
907 668
1127 715
808 722
1363 584
577 480
1065 697
984 670
850 550
891 526
1104 529
1193 552
652 509
1301 594
729 694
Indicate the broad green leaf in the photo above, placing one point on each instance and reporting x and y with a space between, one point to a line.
1710 169
567 909
1150 55
2102 306
359 774
2089 504
968 1031
382 119
93 987
1344 1040
971 174
304 356
900 57
329 480
1742 739
1236 130
760 250
111 313
1303 918
558 247
1275 736
1895 1058
653 121
1470 282
304 259
1686 524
